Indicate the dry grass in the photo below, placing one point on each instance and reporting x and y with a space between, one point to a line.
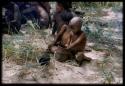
21 46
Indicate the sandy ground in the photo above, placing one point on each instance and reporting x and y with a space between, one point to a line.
57 72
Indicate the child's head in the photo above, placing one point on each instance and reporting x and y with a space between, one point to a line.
75 24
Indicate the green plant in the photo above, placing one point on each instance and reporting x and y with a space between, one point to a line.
106 74
8 49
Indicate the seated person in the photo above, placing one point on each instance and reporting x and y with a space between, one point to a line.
62 16
27 11
70 42
43 9
11 18
35 11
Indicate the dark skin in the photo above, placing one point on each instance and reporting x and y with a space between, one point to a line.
70 40
58 21
42 9
12 19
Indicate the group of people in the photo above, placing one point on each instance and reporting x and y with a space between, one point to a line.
69 40
17 13
14 14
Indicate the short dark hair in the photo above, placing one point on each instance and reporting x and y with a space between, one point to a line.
66 16
66 5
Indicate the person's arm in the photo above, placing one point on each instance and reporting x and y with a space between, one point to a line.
81 38
16 13
58 37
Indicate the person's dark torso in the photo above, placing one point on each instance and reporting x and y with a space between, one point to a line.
10 11
62 18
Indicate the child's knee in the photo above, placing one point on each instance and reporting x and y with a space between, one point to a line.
61 57
79 56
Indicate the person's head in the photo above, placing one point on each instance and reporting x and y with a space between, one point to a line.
75 24
66 16
61 5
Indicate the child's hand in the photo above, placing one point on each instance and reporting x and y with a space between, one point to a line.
49 46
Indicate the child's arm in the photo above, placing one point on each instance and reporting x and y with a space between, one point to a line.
75 43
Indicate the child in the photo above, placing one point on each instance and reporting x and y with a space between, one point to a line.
70 41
